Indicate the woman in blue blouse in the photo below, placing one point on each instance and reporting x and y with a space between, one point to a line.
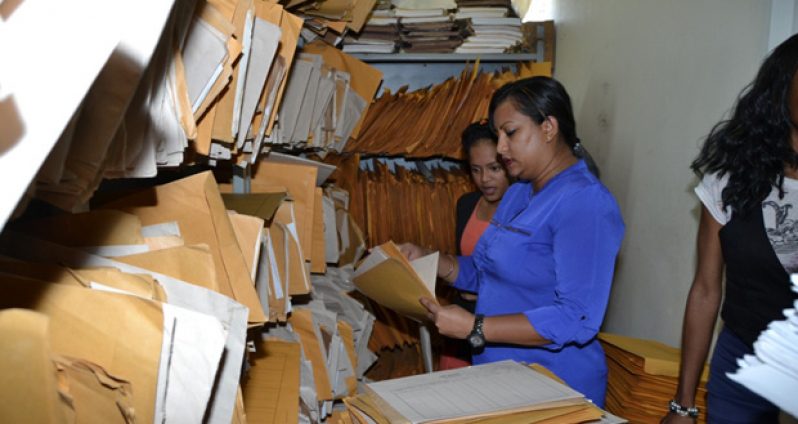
543 268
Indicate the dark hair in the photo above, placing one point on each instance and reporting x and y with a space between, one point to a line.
474 133
753 146
539 98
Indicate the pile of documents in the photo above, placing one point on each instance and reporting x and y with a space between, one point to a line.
219 78
327 95
331 19
498 392
138 294
429 122
427 26
643 376
772 371
379 35
434 193
491 34
171 279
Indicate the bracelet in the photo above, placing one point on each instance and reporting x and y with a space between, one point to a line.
451 267
681 411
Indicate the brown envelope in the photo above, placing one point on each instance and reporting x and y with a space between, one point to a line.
318 262
262 204
192 264
247 229
95 396
348 339
29 391
196 204
302 322
298 276
394 284
301 183
277 261
120 333
96 228
139 284
271 390
360 13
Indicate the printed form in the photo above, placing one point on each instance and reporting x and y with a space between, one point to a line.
476 390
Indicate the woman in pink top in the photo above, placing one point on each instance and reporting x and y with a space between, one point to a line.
474 211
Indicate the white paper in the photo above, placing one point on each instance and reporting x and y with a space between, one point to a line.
493 387
265 39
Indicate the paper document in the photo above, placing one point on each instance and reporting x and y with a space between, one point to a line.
388 278
482 390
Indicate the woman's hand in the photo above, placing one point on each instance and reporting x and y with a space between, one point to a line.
451 320
412 251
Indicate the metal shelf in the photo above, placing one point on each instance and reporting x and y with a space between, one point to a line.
445 57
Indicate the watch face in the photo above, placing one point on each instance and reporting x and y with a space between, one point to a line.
476 341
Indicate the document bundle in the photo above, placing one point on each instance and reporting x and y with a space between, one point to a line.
771 371
643 376
499 392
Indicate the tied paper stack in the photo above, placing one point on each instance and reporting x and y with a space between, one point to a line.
772 371
494 27
643 376
499 392
427 26
379 35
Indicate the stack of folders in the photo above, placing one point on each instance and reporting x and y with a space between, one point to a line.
427 26
379 35
491 34
772 371
429 122
155 295
333 17
499 392
200 77
643 376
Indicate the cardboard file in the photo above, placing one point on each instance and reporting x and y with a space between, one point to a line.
29 391
196 204
387 277
271 390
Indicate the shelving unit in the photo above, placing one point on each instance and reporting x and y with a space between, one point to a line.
448 57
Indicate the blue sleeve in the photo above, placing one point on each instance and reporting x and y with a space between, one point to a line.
466 275
586 238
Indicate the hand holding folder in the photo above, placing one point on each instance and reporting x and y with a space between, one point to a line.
387 277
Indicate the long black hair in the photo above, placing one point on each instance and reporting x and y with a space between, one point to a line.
538 98
754 145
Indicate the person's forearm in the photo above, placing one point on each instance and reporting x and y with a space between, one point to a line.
448 268
512 329
699 323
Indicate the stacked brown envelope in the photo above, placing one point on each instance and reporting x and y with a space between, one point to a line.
515 394
643 376
43 387
333 15
429 122
209 76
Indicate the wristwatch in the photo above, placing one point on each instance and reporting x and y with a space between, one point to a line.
477 338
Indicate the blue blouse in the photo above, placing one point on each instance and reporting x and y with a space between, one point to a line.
550 255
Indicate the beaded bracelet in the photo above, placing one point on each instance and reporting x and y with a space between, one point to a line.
681 411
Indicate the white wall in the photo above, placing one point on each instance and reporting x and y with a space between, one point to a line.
648 79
